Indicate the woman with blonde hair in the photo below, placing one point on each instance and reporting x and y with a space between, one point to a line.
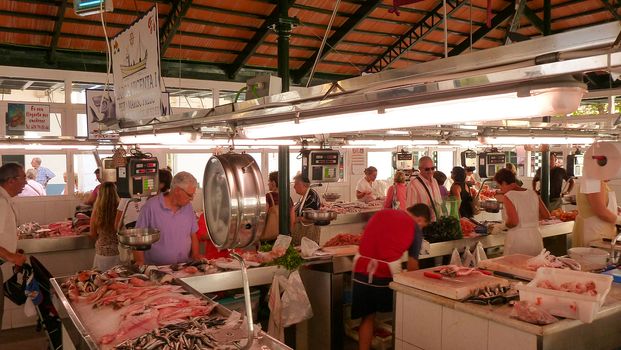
395 196
103 228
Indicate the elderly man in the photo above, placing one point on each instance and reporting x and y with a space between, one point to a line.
424 188
301 185
44 175
12 182
171 213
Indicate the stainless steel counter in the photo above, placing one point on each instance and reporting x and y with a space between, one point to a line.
55 244
82 339
346 223
227 280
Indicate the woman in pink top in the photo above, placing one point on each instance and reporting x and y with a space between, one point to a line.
400 188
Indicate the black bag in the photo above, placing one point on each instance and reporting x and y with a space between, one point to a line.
15 286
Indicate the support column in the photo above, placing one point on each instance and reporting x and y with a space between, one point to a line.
283 26
545 176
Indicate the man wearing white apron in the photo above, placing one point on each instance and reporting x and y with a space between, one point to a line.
386 237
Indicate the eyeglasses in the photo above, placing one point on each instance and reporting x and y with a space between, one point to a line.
191 196
429 169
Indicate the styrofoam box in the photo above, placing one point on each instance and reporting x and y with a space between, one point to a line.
566 304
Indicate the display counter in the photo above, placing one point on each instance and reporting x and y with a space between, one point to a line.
430 322
55 244
346 223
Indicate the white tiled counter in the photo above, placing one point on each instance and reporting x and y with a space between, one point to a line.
430 322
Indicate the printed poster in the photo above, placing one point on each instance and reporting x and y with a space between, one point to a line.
28 117
101 112
136 68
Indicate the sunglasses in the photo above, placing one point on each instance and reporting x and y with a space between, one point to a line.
429 169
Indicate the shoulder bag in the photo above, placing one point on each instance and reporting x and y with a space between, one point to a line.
270 231
433 204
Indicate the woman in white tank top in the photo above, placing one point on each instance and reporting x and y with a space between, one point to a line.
522 211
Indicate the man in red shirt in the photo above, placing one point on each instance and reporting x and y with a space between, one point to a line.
386 237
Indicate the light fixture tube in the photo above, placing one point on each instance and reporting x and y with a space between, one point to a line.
535 140
187 139
541 102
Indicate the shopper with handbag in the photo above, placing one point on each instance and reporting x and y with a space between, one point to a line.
12 182
271 231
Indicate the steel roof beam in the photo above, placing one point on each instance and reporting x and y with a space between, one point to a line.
480 33
361 13
534 19
177 12
254 43
515 21
60 15
415 35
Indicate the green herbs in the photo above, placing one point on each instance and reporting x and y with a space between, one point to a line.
291 260
447 228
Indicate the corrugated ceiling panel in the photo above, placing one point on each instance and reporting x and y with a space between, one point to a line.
213 30
367 49
23 23
580 21
25 39
314 31
355 59
210 43
195 55
329 5
373 39
404 16
89 30
40 9
337 69
254 7
81 44
224 18
272 62
376 26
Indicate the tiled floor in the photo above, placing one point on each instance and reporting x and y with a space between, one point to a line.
22 339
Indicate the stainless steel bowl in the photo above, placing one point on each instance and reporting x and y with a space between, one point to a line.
319 217
491 206
139 238
331 197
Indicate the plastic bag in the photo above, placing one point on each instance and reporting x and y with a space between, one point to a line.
29 309
479 254
309 247
468 258
288 303
532 313
425 248
455 258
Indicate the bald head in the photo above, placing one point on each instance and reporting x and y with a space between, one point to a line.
426 167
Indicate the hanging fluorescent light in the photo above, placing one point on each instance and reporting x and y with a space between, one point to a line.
390 143
192 139
512 105
534 140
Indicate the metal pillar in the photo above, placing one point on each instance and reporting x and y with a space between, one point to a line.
545 177
547 17
283 26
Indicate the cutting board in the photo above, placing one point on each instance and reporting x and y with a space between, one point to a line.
342 250
449 289
514 264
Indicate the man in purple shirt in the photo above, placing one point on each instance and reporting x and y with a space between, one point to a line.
172 214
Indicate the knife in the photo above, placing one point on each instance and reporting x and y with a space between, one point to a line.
438 276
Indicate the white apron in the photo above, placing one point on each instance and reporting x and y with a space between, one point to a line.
393 266
594 228
525 238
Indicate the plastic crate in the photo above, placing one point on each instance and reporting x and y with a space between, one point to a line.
566 304
378 342
237 303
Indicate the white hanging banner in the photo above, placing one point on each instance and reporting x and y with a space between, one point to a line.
136 68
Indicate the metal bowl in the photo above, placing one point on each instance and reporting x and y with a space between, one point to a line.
138 238
319 216
491 206
331 197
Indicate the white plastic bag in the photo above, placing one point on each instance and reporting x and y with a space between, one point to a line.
468 258
425 248
309 247
288 303
479 254
455 258
30 309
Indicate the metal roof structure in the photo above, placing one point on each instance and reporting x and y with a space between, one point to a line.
234 39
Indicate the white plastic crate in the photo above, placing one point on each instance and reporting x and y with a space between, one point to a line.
566 304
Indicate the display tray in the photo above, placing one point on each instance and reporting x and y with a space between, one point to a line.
86 331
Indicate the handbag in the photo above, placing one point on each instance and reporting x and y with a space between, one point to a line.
270 230
395 202
15 286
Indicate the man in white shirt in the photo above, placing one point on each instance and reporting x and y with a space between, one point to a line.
424 188
12 182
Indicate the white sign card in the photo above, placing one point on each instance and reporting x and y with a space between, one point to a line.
101 112
28 117
136 68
